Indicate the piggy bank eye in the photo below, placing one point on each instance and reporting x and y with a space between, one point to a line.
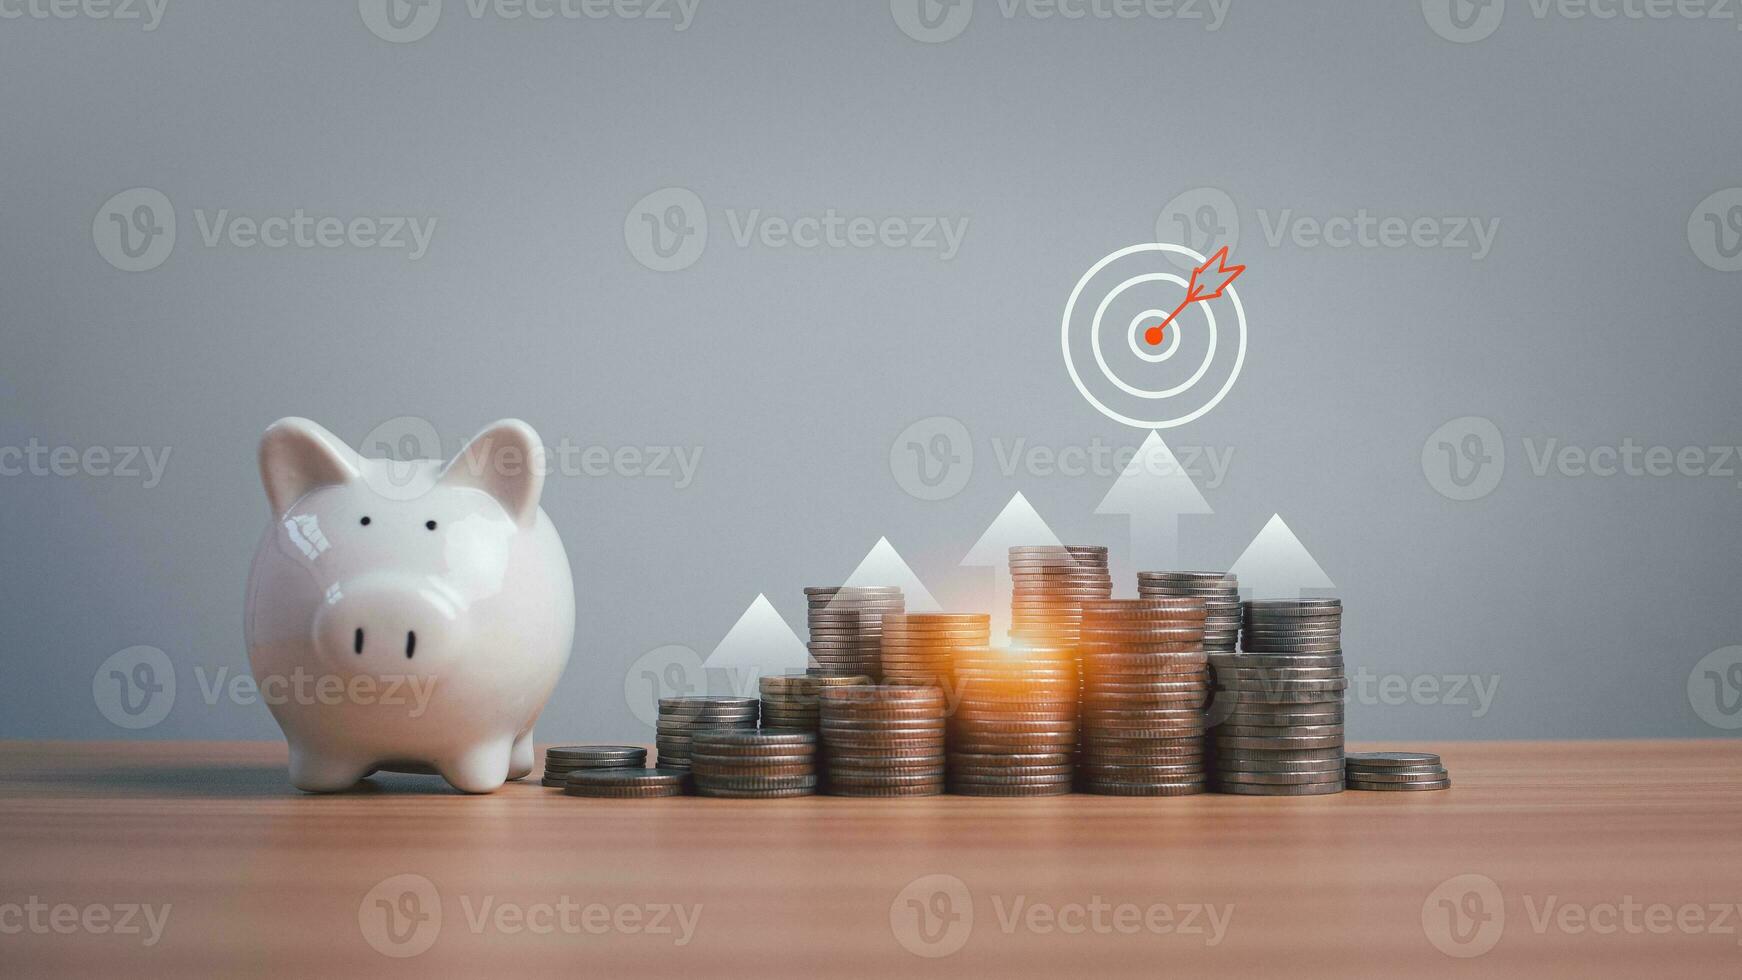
429 524
365 522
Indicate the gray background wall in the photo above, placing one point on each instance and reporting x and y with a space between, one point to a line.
1598 315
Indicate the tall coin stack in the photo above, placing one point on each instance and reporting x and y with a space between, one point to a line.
747 764
790 700
1220 592
1145 684
1278 706
920 648
681 718
846 627
1014 729
1051 582
883 740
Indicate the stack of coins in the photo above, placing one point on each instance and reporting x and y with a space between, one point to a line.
1278 707
1145 684
1014 729
1397 771
746 764
681 718
846 627
1050 583
626 784
1220 592
919 648
883 740
560 760
790 701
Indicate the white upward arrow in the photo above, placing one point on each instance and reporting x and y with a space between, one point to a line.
1154 491
1017 524
882 565
1277 566
759 645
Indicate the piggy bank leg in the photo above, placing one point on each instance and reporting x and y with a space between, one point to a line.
480 769
520 761
317 772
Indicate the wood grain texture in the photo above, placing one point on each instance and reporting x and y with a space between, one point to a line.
264 881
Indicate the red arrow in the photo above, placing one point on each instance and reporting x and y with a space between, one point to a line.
1196 291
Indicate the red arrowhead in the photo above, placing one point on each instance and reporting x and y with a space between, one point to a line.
1195 291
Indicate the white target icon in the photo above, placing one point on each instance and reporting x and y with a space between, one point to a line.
1161 317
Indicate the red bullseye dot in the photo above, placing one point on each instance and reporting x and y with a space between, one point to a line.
1153 335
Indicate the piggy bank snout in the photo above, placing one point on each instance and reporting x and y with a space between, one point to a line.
387 625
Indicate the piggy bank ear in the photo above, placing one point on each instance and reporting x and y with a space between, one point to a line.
297 456
506 461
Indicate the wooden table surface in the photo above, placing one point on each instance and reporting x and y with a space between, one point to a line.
1605 858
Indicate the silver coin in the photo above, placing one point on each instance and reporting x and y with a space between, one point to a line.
1361 784
1391 760
1278 743
1285 789
1275 778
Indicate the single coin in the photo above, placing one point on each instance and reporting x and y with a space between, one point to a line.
1368 786
1388 760
1326 788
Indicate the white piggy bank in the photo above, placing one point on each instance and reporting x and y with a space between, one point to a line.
408 616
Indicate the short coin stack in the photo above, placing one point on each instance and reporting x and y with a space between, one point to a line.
1051 583
1014 729
920 648
1145 684
1220 592
1278 706
626 784
1397 771
748 764
681 718
790 701
883 740
846 627
560 760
